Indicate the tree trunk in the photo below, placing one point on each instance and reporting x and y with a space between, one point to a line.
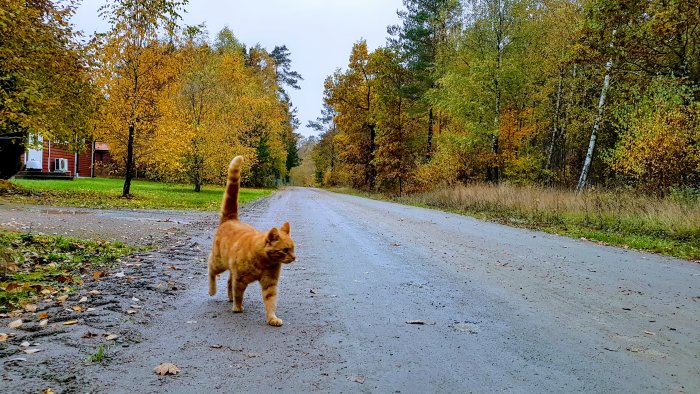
583 179
129 161
431 121
556 130
198 176
371 171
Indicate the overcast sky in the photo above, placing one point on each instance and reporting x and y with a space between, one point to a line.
318 33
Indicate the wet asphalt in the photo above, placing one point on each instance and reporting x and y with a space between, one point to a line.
390 298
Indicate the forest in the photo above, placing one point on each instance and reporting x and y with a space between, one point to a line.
555 93
172 104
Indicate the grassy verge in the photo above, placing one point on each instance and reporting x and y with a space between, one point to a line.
667 226
33 266
106 193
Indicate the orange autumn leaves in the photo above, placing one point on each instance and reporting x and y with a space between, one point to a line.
177 107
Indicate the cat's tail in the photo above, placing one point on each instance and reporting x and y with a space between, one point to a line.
229 206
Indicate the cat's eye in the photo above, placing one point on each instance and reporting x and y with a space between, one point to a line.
285 250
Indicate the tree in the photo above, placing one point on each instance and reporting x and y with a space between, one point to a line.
487 76
135 66
283 69
351 95
199 96
425 27
398 138
659 144
44 85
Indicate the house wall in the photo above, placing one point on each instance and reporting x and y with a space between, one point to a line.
84 166
53 152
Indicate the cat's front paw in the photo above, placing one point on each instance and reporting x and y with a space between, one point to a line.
274 321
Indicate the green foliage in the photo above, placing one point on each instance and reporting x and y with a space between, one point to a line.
511 90
659 133
32 264
44 83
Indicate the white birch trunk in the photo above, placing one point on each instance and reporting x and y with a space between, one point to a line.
583 179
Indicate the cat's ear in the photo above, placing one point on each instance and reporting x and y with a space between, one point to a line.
285 228
273 235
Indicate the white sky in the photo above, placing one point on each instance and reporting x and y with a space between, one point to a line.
318 33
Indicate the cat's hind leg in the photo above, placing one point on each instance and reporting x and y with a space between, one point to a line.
238 290
214 271
230 287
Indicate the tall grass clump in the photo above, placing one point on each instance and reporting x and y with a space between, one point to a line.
669 225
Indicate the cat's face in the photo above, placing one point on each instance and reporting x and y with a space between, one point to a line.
280 246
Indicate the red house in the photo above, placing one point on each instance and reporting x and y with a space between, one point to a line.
53 159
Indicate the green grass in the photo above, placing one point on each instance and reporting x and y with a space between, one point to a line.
34 265
668 226
106 193
100 354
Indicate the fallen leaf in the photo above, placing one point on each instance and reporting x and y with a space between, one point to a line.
119 274
32 351
63 278
94 292
70 322
89 335
130 311
166 369
25 344
77 308
47 391
84 299
359 379
43 323
649 333
135 299
30 308
42 315
15 324
97 275
427 322
172 267
3 337
61 298
112 337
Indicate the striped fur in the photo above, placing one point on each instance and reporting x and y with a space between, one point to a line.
248 254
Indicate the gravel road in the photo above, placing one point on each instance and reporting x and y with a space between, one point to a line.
382 298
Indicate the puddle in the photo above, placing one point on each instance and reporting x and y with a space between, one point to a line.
64 212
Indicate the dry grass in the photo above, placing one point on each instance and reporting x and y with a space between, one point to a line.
670 225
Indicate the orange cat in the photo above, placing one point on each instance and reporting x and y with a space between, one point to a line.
249 255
